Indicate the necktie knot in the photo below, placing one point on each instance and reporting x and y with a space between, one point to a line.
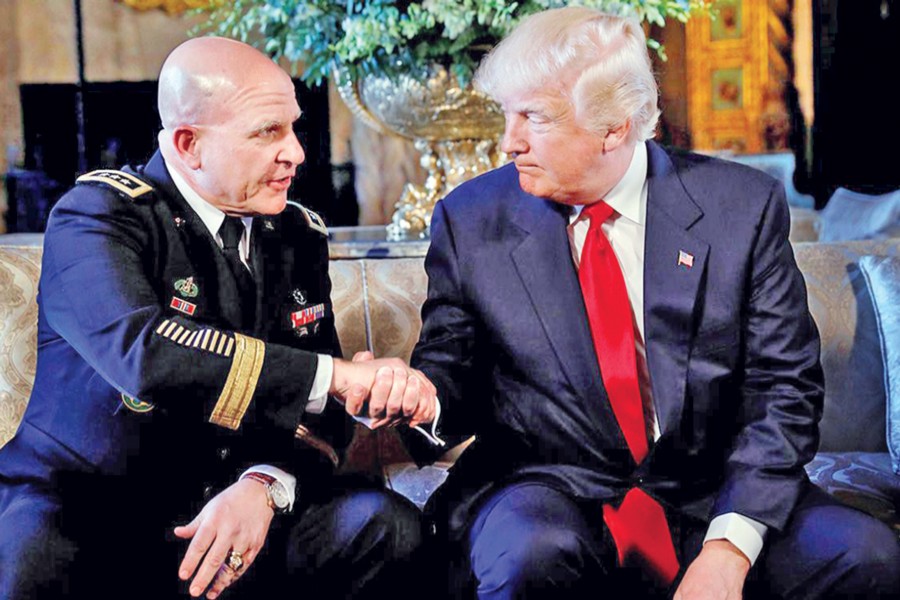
598 213
231 231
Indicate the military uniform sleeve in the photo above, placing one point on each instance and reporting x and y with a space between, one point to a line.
97 292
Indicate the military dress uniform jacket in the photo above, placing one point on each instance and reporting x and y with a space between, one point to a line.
152 383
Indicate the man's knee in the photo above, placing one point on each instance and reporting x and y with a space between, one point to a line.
384 519
830 550
357 524
872 561
541 558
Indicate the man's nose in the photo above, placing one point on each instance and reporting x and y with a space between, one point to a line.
292 151
512 141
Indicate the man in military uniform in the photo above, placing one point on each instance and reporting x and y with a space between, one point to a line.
185 334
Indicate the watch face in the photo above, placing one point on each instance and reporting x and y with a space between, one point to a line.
279 495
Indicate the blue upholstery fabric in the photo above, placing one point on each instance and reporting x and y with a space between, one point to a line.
863 480
883 278
853 216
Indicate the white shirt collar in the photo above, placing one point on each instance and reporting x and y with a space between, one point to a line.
211 216
628 197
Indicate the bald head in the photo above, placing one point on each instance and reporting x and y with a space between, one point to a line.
201 75
228 113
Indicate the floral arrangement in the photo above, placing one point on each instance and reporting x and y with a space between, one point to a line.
358 37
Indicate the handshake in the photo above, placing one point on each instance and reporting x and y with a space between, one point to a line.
383 392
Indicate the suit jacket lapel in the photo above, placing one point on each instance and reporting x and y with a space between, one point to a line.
671 284
543 261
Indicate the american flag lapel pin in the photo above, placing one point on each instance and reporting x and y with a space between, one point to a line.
685 259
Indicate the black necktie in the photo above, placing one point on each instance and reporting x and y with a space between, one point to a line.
231 231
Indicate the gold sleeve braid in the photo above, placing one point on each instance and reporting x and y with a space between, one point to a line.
246 365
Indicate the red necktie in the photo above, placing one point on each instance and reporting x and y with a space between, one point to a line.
638 527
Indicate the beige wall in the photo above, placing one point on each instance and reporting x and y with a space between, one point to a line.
10 112
45 30
803 56
37 45
120 43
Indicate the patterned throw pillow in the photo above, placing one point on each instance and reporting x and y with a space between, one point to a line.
882 275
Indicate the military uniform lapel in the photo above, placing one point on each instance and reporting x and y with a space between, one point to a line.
674 266
265 245
218 292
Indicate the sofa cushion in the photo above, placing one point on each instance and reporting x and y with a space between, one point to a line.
883 277
349 307
395 291
862 480
851 349
853 216
804 225
19 269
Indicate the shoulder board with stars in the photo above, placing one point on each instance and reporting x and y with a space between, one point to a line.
314 221
123 182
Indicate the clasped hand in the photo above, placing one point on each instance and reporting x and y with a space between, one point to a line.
386 390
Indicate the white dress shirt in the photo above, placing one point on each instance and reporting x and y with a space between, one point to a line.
625 230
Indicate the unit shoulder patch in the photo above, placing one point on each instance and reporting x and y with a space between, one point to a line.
123 182
314 221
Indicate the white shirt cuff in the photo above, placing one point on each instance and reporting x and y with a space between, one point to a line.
431 432
286 479
745 533
318 395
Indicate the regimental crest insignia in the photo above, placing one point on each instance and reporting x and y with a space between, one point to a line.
135 405
187 287
299 297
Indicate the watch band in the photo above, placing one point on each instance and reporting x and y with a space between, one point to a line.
268 481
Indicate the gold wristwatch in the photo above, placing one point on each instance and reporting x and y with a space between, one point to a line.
276 495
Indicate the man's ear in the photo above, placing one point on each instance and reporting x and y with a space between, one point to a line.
186 141
617 136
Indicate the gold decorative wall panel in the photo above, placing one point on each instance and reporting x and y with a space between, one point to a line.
737 69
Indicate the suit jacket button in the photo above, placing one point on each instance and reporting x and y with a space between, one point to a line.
223 453
207 492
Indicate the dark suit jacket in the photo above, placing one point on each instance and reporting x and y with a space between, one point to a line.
126 383
732 351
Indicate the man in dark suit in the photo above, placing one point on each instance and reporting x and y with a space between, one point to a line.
626 332
187 342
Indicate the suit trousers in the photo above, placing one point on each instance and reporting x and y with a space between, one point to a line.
529 540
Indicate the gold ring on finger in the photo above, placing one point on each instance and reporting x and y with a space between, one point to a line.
234 561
